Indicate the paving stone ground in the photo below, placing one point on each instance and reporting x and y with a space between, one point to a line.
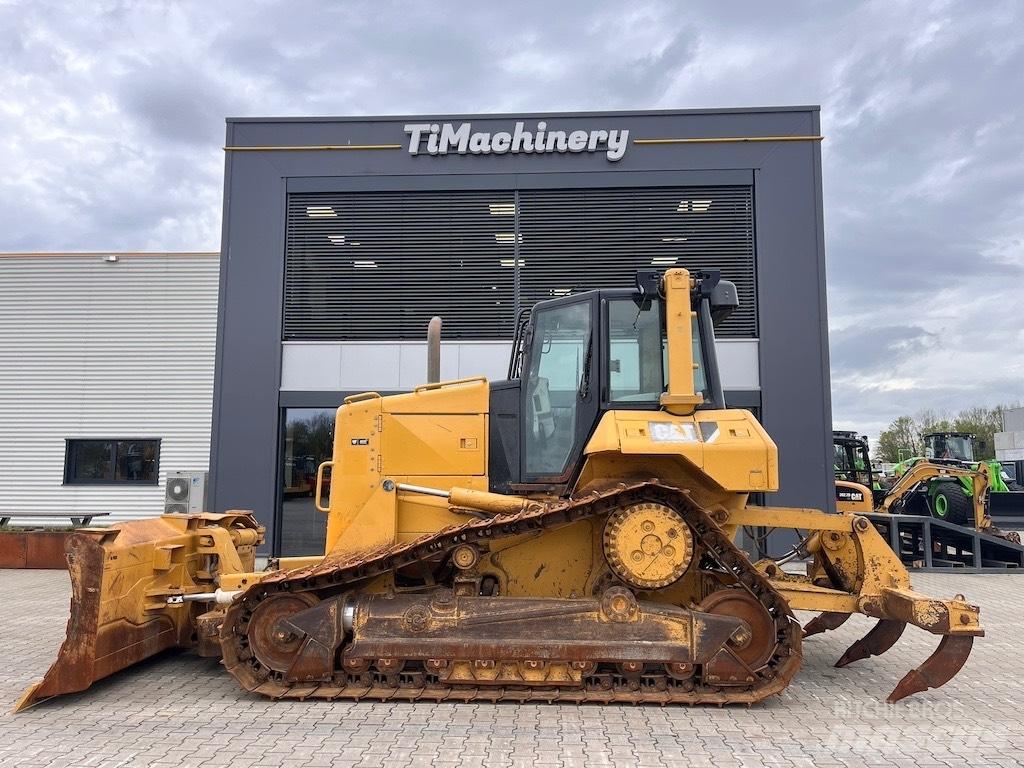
178 711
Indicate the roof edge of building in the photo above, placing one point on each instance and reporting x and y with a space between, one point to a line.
510 115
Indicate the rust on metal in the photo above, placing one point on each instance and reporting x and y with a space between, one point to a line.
542 629
121 580
33 549
938 669
877 641
749 647
824 622
456 644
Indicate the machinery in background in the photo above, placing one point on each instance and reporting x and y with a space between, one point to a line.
961 449
854 473
566 535
957 497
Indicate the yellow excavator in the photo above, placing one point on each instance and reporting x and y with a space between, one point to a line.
565 535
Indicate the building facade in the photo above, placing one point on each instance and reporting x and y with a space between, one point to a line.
343 236
106 379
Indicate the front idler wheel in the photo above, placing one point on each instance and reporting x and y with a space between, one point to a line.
273 641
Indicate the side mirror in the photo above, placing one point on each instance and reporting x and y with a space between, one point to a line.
724 299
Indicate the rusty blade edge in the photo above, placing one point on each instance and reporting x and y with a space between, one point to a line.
71 670
824 622
937 670
877 641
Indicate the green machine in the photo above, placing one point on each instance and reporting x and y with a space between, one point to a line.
950 498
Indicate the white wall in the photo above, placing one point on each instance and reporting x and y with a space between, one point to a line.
1010 446
1010 442
358 366
96 349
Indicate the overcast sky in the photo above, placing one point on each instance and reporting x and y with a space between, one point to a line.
112 125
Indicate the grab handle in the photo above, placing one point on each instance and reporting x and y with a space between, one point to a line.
362 396
440 384
320 485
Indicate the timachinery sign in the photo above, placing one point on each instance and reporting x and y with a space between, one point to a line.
461 139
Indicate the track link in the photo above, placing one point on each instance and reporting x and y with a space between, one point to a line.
334 576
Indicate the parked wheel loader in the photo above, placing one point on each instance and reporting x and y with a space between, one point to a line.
947 490
565 535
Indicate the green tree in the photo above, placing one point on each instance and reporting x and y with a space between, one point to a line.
904 434
984 423
929 420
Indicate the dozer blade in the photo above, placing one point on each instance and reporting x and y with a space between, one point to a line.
880 639
824 622
95 646
121 580
938 669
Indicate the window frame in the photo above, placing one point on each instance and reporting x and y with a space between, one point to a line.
280 522
71 445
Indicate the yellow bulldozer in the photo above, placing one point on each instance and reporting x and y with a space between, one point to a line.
565 535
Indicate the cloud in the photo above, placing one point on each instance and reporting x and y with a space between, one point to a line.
112 117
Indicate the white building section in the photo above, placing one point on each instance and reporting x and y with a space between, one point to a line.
107 347
1010 442
360 366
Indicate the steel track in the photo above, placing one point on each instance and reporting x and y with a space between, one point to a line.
335 575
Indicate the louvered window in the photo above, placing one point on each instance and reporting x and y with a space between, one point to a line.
378 265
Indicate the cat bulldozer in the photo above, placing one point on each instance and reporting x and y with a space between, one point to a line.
566 535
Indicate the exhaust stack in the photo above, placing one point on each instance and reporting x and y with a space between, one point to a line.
434 350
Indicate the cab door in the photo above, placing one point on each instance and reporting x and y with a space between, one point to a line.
559 402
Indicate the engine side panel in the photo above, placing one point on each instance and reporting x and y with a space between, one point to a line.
434 436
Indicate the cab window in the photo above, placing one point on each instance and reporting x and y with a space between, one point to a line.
557 371
636 351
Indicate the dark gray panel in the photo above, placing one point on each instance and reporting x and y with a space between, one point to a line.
244 457
381 163
742 398
795 384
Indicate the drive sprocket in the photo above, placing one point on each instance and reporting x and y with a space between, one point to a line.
647 545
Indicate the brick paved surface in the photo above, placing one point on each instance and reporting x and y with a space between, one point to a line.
179 710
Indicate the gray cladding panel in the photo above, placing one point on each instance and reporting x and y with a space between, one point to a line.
794 338
636 158
243 458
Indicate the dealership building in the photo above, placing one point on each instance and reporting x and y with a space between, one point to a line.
343 236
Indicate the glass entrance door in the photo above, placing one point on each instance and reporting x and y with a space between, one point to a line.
307 440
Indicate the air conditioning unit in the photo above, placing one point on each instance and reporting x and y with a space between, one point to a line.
185 492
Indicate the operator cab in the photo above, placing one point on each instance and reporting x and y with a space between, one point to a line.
578 356
851 461
949 446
